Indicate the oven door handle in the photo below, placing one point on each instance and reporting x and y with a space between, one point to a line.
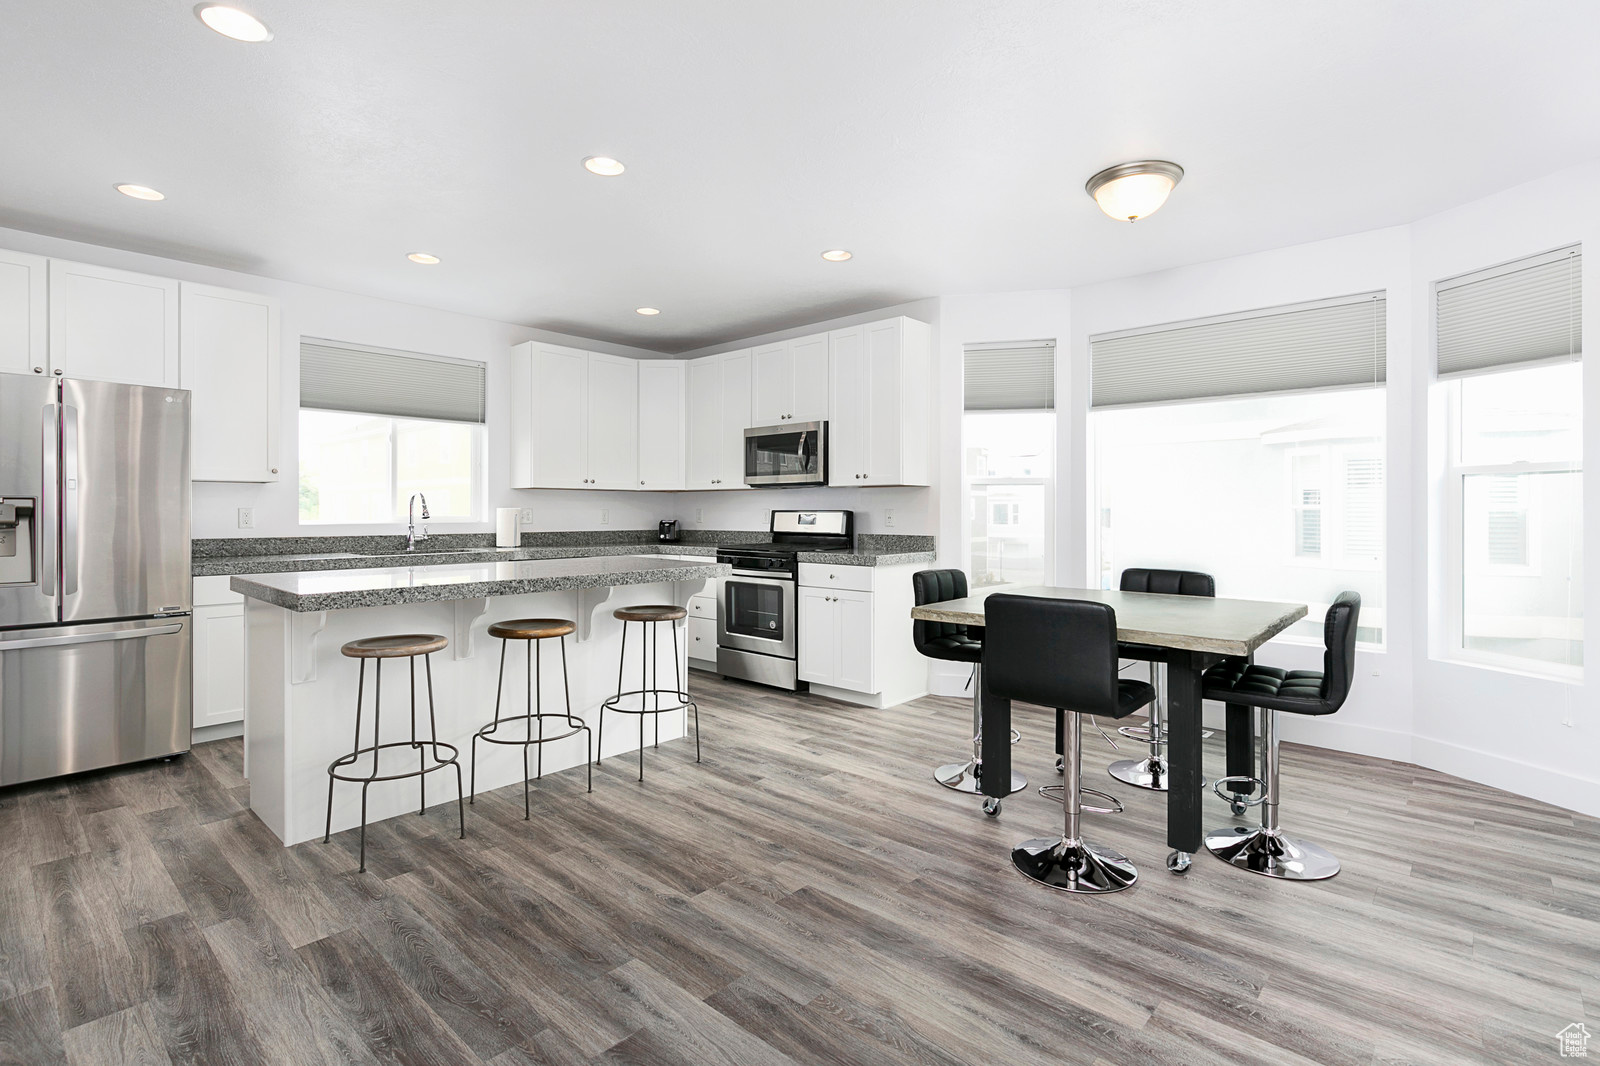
765 575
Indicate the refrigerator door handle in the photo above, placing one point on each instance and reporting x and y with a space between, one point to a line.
89 638
47 526
69 500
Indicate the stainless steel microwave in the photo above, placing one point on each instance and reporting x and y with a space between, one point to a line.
792 454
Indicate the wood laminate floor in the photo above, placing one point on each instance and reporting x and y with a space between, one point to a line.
807 894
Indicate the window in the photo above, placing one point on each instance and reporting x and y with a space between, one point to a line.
1517 533
1509 352
377 426
1008 437
1250 447
1008 468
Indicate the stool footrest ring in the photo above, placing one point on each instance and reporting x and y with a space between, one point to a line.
1057 792
685 702
351 758
487 733
1255 783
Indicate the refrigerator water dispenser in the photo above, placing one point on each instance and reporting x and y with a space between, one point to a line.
16 540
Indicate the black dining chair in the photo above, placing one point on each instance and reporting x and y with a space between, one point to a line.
1267 850
954 642
1151 771
1063 654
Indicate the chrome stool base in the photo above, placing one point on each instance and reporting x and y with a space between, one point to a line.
1150 772
959 776
1073 865
1271 854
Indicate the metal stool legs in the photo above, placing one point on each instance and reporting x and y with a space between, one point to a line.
1068 862
649 692
968 776
1267 850
376 747
535 717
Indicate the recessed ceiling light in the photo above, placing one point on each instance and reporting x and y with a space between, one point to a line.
423 258
604 166
836 255
231 22
140 192
647 310
1130 191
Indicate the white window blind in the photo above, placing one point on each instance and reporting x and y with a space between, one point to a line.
1011 377
1363 507
1521 312
1325 344
335 376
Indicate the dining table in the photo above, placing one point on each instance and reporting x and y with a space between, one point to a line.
1194 633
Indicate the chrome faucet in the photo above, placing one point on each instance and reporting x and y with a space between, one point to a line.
411 521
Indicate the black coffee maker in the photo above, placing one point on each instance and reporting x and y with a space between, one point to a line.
667 531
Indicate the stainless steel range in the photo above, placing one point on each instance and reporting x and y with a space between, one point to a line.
757 637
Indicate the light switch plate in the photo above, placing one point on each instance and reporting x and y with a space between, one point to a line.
699 514
888 517
527 516
605 516
247 518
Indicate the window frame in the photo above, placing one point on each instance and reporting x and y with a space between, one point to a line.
1047 483
1456 473
477 474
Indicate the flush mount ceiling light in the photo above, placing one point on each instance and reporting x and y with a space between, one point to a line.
231 22
422 257
140 192
604 166
836 255
1130 191
647 310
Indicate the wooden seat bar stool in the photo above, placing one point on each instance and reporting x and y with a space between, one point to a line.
649 691
410 646
533 632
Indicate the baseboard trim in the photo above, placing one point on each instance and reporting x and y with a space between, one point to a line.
217 732
1542 783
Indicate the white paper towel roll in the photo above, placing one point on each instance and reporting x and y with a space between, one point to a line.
507 527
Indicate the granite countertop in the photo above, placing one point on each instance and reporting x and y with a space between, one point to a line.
221 565
424 583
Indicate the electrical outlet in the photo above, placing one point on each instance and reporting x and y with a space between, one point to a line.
605 516
527 516
247 518
888 517
699 515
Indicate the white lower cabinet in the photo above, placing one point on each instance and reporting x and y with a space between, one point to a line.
218 653
836 638
855 633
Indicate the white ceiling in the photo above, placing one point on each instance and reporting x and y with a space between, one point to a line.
945 142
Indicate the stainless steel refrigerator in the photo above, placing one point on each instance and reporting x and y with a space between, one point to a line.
95 603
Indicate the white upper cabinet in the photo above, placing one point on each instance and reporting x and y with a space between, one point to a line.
23 324
549 434
789 381
718 405
613 422
113 325
810 357
231 360
574 419
661 424
879 433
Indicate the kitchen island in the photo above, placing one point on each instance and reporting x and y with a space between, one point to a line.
300 692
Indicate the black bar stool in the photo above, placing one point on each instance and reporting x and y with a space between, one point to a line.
1151 771
1063 654
1239 682
649 616
957 643
404 646
532 631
